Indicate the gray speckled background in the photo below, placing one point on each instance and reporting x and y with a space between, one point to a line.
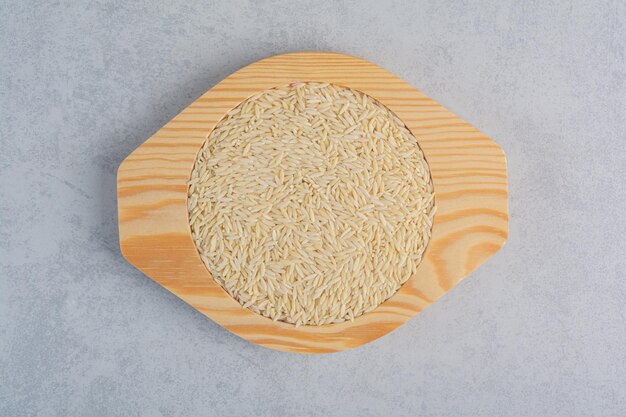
540 329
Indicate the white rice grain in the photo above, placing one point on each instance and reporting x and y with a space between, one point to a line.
311 203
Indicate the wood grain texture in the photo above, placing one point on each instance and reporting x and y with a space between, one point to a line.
468 171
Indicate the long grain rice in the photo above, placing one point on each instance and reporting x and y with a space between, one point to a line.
311 203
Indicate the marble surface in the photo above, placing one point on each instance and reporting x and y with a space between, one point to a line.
540 329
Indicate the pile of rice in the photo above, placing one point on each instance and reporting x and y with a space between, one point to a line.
311 203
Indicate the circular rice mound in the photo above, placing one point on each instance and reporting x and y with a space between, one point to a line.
311 203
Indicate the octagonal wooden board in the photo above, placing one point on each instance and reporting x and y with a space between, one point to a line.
468 171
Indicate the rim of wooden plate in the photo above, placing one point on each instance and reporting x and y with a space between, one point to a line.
467 168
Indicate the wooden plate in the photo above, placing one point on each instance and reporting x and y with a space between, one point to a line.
468 171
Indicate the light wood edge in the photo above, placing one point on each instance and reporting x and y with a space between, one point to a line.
467 167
